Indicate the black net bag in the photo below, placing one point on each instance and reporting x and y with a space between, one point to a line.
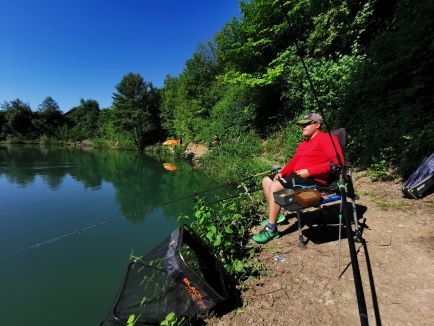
180 275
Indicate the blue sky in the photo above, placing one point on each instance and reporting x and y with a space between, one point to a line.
71 50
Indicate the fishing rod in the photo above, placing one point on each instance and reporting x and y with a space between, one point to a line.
113 219
312 87
352 248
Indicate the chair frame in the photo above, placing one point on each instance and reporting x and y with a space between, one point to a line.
342 186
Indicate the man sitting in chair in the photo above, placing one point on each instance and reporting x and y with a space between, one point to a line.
311 165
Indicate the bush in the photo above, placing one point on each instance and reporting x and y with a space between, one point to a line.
281 145
226 227
234 159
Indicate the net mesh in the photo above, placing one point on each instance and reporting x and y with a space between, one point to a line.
180 275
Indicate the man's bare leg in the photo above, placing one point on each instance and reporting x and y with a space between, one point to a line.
271 186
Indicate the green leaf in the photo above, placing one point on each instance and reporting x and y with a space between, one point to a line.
218 240
228 229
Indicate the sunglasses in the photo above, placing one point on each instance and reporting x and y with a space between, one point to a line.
307 124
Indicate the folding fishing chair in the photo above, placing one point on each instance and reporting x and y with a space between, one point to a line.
305 197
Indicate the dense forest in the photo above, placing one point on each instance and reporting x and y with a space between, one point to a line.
366 65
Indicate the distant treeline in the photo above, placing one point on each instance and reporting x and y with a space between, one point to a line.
370 63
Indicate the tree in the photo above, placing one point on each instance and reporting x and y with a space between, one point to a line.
169 102
48 118
83 120
18 119
394 87
2 123
136 108
188 101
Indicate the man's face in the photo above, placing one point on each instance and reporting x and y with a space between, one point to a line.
309 129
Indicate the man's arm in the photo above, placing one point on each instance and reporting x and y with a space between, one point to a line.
289 167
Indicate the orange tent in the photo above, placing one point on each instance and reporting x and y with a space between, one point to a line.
171 142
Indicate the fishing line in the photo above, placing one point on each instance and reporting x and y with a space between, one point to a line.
63 236
100 224
113 219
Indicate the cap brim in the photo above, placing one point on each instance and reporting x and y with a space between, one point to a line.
303 122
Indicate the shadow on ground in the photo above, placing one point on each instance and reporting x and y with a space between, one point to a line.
323 223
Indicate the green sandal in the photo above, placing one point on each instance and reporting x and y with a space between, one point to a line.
280 219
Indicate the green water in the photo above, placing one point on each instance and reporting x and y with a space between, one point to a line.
55 271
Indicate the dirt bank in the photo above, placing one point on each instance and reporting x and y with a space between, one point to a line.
301 287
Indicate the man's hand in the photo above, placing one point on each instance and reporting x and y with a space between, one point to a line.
277 176
304 173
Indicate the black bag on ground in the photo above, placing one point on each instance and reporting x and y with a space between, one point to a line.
421 182
181 275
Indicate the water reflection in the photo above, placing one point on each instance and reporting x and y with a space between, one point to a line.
141 182
52 197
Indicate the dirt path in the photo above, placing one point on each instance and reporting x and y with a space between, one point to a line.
301 287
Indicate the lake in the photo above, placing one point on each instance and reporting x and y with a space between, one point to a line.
70 219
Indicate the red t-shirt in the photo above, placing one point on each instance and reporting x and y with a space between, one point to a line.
315 155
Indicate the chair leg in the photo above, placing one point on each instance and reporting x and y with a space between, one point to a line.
301 240
357 234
